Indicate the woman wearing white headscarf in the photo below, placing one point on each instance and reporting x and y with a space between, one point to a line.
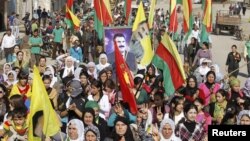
11 78
6 69
218 74
92 70
103 62
51 72
167 129
75 130
69 68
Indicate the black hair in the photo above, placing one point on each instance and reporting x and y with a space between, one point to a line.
42 57
118 35
188 107
211 72
19 52
201 101
222 92
85 73
46 77
234 46
206 44
22 75
88 110
19 113
138 80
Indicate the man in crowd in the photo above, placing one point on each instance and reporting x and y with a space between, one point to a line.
8 44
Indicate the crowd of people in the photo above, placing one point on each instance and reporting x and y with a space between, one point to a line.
84 91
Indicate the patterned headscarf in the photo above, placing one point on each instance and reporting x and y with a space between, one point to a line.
95 130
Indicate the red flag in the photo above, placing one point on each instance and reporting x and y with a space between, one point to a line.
127 8
70 6
173 24
126 80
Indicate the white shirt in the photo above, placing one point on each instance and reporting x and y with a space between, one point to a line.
8 41
103 104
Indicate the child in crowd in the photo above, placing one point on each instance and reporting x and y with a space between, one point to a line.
16 128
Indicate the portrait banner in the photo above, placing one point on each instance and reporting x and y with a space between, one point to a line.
109 33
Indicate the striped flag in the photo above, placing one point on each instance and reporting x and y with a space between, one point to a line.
102 16
207 19
141 34
68 20
169 61
127 9
187 15
73 18
151 14
173 24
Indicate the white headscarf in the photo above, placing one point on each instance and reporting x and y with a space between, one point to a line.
172 125
92 64
4 72
218 74
100 66
52 71
15 78
80 129
242 113
203 70
65 73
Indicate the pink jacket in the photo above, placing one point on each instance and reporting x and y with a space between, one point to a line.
207 91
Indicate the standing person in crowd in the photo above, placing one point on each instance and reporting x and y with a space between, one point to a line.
218 108
39 14
35 43
99 122
11 22
44 16
58 34
232 62
92 133
243 117
22 87
204 52
103 62
188 128
98 96
167 131
121 131
191 51
246 55
8 44
75 130
202 115
192 91
210 87
16 24
16 128
42 65
76 51
51 91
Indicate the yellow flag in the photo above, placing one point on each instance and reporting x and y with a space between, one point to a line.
141 33
74 19
41 111
140 17
151 14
